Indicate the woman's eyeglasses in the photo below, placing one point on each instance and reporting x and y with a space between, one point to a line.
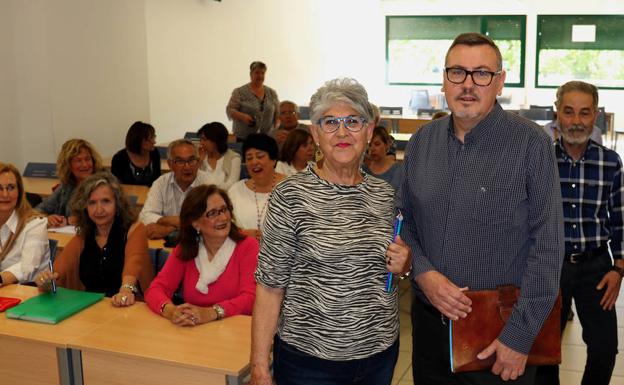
331 124
212 214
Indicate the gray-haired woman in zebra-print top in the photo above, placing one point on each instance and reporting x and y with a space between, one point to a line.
326 252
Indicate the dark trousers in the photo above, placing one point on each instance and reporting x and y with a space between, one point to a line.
294 367
430 355
579 281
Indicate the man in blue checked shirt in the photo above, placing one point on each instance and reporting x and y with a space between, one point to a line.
482 208
591 186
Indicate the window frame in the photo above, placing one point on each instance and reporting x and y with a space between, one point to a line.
483 25
538 41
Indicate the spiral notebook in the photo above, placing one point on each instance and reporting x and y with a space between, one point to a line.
52 308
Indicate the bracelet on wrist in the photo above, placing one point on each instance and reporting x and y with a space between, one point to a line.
133 288
619 270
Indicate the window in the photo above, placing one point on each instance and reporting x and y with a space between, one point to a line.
580 47
416 45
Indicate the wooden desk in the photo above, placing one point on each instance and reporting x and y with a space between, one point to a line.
36 353
43 187
164 166
143 348
63 239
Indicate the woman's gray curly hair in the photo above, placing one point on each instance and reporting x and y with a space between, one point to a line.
340 91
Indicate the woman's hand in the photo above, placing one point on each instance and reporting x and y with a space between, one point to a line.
191 315
44 279
398 257
125 297
56 220
247 119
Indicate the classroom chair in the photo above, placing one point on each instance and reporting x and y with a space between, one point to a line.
40 170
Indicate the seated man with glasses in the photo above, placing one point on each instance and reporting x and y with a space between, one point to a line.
289 120
482 208
161 211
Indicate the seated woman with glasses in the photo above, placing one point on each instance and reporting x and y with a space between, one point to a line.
379 163
109 253
251 196
76 161
214 263
297 152
217 159
139 162
24 248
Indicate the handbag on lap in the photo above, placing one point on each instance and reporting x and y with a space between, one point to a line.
490 311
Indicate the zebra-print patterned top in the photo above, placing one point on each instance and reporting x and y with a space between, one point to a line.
325 245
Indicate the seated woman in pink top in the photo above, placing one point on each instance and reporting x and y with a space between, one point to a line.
213 261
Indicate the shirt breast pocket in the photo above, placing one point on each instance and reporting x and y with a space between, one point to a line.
496 205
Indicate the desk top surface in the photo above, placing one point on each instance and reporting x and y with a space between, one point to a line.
64 238
60 334
224 346
43 187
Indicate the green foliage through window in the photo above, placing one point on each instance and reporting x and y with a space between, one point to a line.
416 45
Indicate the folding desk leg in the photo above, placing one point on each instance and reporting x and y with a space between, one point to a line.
64 366
76 366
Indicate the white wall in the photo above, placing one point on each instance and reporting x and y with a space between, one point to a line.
78 70
90 68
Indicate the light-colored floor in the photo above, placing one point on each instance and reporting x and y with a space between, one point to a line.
572 349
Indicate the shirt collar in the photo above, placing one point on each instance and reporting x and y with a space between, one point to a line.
11 223
591 147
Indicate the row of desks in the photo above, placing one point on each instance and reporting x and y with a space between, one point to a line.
107 345
43 187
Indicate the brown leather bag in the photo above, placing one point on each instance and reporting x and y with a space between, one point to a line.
490 311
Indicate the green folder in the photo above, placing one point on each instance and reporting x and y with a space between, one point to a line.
51 308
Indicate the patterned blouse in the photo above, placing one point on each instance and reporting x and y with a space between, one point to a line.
325 245
264 111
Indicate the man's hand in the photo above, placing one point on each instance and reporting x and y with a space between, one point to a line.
509 363
612 280
156 231
444 295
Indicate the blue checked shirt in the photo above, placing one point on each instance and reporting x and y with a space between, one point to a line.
592 199
487 212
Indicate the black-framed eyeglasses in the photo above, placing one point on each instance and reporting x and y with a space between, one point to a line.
331 124
212 214
481 78
192 162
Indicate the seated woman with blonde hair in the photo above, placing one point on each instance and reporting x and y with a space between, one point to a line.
109 252
24 248
214 262
77 160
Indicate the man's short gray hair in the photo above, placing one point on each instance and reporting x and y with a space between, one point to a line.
291 103
181 142
337 91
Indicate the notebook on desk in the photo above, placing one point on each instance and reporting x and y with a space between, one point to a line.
52 308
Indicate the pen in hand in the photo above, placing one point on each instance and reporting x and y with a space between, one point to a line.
53 282
397 230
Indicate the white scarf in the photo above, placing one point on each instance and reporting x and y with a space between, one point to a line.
209 271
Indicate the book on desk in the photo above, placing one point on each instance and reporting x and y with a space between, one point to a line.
52 308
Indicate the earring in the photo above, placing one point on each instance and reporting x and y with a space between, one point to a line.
198 235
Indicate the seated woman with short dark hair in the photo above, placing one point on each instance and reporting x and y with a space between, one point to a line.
222 163
214 262
139 162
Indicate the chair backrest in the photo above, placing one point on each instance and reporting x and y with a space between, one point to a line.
236 147
601 120
536 114
162 151
53 246
419 99
304 112
427 111
40 170
190 135
394 111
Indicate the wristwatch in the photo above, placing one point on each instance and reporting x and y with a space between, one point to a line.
133 288
219 310
620 270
